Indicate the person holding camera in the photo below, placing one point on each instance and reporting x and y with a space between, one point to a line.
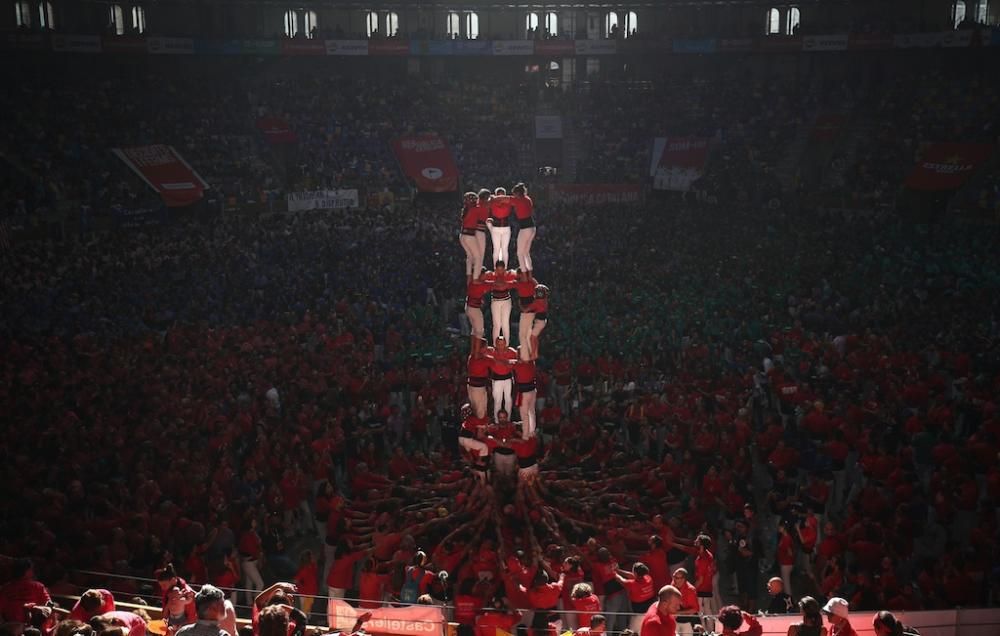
731 617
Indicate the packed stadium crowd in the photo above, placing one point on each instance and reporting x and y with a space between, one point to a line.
742 407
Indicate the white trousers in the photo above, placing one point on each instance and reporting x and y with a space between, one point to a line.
527 411
477 399
525 236
473 259
500 315
501 396
474 446
500 237
476 321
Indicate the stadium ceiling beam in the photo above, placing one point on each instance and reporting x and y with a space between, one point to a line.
403 5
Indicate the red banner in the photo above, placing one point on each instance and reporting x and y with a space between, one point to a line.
427 160
947 166
389 47
410 620
555 48
303 47
597 193
827 127
166 172
677 162
276 130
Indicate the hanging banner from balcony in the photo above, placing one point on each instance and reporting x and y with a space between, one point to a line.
166 172
677 162
947 166
427 160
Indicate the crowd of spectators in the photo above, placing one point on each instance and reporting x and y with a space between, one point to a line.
778 400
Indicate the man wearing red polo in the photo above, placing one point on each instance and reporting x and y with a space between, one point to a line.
659 618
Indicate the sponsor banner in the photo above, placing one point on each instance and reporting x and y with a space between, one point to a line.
166 172
732 45
916 40
957 39
597 193
427 160
26 41
596 47
701 45
473 47
513 47
261 47
123 44
170 46
677 162
869 41
303 47
555 48
322 200
346 47
389 47
548 127
827 127
432 47
218 47
126 219
276 130
946 166
76 43
781 43
409 620
639 45
836 42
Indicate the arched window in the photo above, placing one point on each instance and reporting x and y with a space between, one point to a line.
631 23
983 11
772 26
311 23
291 23
391 24
531 23
453 25
957 13
552 23
472 25
610 24
116 19
139 19
22 14
371 23
46 16
792 20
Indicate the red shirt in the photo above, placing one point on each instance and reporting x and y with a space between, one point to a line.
479 367
704 570
500 206
640 589
475 291
689 597
501 362
524 371
482 212
545 596
523 206
250 545
341 574
500 285
107 605
656 624
370 589
656 561
306 579
466 608
470 217
587 606
14 596
786 550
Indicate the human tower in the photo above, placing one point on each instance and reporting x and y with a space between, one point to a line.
501 377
